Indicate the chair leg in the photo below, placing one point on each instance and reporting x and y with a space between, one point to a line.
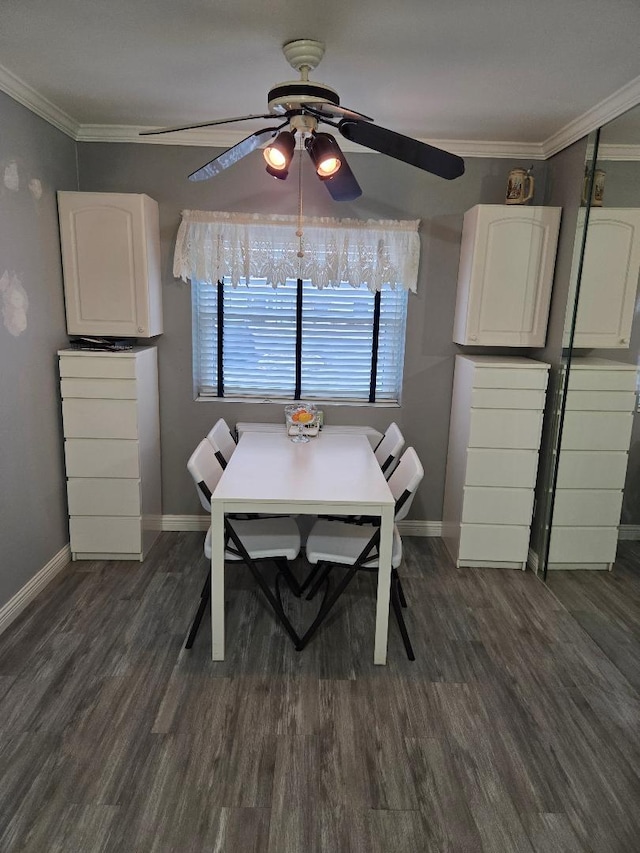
264 586
397 609
273 601
326 607
314 571
396 576
204 600
285 569
324 574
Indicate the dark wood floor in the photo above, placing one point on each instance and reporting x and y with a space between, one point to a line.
515 730
607 606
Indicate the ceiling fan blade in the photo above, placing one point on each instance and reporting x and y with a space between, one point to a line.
404 148
333 111
343 186
204 124
233 154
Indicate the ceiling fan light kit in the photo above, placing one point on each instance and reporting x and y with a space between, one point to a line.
325 154
278 153
303 105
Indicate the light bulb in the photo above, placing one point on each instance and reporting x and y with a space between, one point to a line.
275 158
328 167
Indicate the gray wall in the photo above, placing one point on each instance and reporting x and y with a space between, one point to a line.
391 190
33 497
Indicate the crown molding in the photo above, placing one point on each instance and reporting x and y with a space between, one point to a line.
619 152
37 103
619 102
611 107
219 138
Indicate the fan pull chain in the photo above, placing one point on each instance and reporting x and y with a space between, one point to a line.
299 232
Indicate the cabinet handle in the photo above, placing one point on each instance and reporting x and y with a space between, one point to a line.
473 337
141 328
624 340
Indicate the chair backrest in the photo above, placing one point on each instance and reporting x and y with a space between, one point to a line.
222 441
404 482
388 450
205 470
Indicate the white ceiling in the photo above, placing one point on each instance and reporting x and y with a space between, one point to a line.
498 70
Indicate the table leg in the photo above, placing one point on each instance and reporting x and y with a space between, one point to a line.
384 585
217 580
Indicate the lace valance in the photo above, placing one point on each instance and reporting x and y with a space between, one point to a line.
211 246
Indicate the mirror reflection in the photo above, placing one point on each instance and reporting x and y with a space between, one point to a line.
593 562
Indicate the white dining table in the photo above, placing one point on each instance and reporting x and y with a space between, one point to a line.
334 474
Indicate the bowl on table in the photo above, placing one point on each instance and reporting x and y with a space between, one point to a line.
300 419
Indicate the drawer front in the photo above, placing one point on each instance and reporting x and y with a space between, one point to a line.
587 507
508 543
515 468
501 377
590 469
107 389
106 496
601 401
97 367
583 544
100 418
602 380
105 534
86 457
596 431
505 428
497 506
507 398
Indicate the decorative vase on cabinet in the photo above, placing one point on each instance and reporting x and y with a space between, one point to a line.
507 259
111 261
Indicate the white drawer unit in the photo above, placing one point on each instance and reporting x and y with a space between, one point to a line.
112 451
593 464
492 461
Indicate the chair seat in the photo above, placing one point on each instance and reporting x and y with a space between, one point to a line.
341 542
264 538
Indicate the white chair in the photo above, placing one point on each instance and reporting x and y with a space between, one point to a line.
248 541
222 441
389 448
355 547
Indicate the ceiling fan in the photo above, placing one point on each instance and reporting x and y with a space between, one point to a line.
303 105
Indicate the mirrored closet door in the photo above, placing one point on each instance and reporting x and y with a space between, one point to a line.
591 548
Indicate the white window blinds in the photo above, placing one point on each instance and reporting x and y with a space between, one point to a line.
263 357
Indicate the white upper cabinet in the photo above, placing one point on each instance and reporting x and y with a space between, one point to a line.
507 258
111 260
609 280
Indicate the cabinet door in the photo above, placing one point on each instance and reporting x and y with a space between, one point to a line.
506 270
110 256
609 279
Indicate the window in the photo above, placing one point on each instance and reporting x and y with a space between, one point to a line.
287 307
295 341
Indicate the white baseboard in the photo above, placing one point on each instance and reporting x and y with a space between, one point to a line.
14 607
629 531
201 522
185 522
420 528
